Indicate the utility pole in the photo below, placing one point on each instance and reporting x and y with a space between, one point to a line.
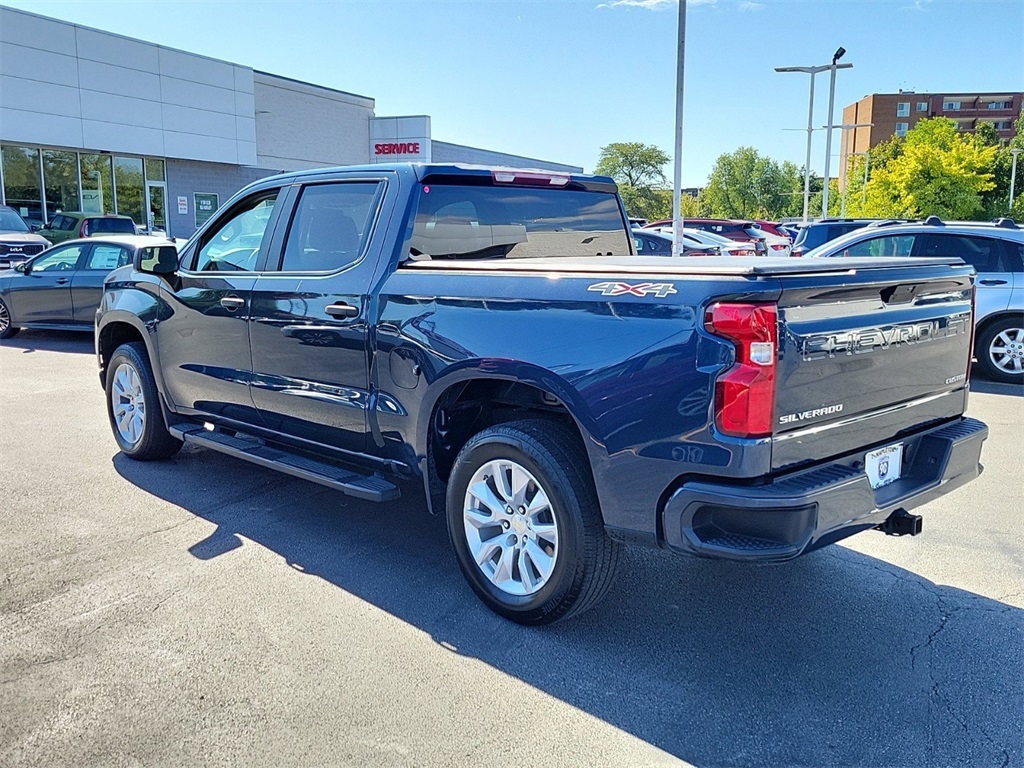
677 187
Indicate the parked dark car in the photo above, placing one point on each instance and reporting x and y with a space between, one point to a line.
818 233
69 225
741 231
60 289
17 240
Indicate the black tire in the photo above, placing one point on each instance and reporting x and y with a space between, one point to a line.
154 441
6 329
585 560
991 345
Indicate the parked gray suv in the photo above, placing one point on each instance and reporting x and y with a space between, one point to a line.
995 250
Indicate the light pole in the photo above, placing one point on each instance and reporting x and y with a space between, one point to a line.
812 71
677 186
867 161
840 52
1013 173
844 155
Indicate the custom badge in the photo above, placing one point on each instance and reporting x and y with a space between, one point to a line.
661 290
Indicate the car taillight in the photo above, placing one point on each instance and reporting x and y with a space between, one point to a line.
797 251
779 246
745 394
738 252
83 231
531 179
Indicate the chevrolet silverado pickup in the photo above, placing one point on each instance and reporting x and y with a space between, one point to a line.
492 335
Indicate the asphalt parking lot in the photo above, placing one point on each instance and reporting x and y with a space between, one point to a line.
202 610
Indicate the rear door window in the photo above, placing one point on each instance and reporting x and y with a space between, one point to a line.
331 226
106 257
985 254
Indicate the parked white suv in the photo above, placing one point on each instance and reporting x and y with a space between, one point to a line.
995 250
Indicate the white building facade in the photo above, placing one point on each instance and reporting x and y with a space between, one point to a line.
94 121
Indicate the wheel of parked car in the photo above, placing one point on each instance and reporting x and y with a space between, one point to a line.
524 519
133 406
1000 350
6 329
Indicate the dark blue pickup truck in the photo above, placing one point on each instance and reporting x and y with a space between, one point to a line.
493 334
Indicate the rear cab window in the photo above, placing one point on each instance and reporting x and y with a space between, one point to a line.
455 221
109 225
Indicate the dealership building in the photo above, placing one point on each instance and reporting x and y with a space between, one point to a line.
93 121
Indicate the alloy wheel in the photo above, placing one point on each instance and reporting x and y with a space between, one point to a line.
1007 351
510 527
129 404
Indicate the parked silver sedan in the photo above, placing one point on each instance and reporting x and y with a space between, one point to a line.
995 250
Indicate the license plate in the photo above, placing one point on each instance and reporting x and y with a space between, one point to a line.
885 465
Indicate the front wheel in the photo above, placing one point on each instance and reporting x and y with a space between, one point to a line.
1000 350
6 329
133 406
525 523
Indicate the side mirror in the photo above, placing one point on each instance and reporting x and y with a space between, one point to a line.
24 267
34 227
162 260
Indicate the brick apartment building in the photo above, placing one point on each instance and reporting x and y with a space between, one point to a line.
897 113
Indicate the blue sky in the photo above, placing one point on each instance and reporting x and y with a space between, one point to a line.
558 79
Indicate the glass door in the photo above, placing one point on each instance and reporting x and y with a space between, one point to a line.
157 218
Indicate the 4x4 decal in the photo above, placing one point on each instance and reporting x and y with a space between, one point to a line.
661 290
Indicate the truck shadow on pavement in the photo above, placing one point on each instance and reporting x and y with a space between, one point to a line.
51 341
836 658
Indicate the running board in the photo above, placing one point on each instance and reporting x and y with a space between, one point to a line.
368 487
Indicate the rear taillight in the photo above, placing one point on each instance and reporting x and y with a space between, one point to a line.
797 251
83 231
779 246
737 252
745 394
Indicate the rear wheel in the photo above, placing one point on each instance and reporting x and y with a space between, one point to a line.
524 520
133 406
6 329
1000 350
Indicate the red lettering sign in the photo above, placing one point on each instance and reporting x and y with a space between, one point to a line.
403 148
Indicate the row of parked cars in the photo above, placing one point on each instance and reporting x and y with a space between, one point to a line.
61 288
995 250
51 277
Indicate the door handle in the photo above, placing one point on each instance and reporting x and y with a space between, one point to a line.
231 303
63 280
341 309
992 282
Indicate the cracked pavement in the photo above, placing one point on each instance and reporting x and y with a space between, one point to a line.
202 610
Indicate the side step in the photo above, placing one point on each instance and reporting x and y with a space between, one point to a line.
368 487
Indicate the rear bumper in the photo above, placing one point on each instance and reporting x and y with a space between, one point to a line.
808 509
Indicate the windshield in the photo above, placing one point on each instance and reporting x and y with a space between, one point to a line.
478 222
111 226
12 222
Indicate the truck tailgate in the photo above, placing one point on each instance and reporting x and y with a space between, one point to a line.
866 359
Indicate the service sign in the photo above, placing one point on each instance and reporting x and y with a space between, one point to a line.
399 150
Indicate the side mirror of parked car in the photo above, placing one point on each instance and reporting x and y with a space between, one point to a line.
24 267
34 227
162 260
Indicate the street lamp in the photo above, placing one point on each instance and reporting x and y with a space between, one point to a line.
677 185
812 71
844 154
1013 173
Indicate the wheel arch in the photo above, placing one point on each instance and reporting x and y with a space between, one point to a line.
117 328
468 401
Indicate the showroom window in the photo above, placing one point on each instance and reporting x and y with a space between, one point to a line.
902 128
903 109
129 188
154 170
22 188
97 184
60 174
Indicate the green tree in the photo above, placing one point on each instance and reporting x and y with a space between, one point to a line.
745 185
935 169
638 169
